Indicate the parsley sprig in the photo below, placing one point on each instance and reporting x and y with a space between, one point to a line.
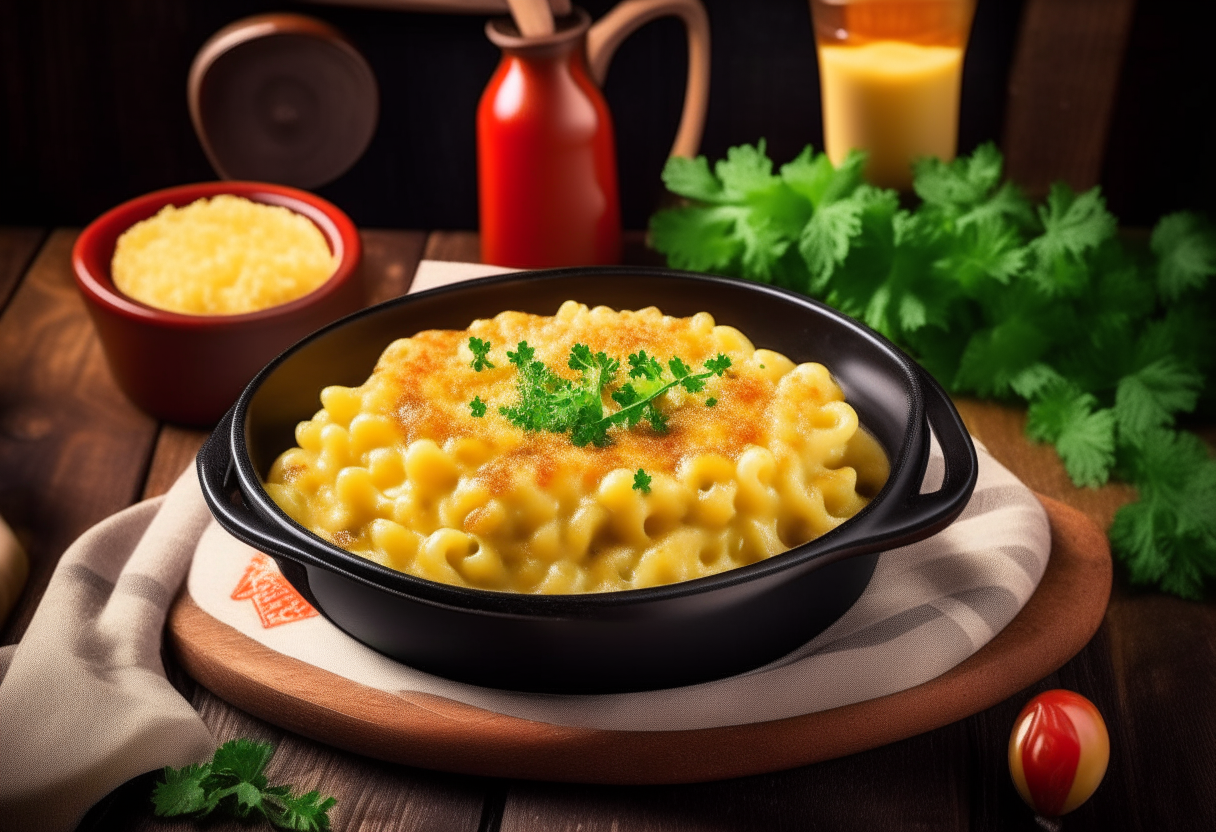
1107 341
641 481
234 783
555 404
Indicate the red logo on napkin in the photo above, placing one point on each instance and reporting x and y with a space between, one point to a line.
276 600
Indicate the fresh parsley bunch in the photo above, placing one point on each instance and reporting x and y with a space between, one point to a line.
234 783
1106 340
555 404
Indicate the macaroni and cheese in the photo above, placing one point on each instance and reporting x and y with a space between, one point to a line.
398 470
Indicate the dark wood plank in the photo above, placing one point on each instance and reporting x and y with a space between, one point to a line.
465 246
907 785
1062 90
1163 652
454 246
176 448
73 450
390 259
17 249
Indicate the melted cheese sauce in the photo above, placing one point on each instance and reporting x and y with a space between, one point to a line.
399 470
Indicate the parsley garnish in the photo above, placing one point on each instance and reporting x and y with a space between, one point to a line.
997 296
555 404
234 783
477 407
641 481
711 401
481 349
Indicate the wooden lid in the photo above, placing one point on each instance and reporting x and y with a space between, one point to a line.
282 98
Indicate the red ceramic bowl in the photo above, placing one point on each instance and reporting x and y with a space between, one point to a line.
189 369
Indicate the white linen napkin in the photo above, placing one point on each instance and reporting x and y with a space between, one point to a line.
84 702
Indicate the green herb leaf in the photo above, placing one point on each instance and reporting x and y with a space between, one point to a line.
307 813
480 350
825 240
477 407
1083 435
698 239
641 481
719 364
181 791
691 178
243 759
548 402
961 184
814 177
1168 538
522 356
1149 397
1185 246
746 170
644 366
1073 223
235 784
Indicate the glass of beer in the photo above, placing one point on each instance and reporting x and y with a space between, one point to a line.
890 74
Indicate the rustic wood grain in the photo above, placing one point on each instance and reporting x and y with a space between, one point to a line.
73 450
465 247
17 249
390 259
1062 91
175 450
839 795
1163 652
454 246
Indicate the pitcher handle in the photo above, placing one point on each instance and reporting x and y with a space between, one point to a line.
630 15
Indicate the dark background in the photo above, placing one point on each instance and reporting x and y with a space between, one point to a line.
93 104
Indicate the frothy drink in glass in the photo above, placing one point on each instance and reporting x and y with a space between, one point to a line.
890 73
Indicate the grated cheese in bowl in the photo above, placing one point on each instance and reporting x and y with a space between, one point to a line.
226 255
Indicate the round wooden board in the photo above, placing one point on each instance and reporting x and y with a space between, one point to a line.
433 732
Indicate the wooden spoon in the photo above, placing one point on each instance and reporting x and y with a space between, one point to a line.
533 17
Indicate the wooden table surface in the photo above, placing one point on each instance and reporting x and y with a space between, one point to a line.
73 451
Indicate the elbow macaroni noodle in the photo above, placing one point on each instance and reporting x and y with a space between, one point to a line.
399 471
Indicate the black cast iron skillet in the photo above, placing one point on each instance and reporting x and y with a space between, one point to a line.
620 641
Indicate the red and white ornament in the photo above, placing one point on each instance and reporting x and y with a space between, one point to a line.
1058 752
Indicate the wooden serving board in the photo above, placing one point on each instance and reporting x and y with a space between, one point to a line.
434 732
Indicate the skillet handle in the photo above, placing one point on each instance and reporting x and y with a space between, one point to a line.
938 509
222 491
918 515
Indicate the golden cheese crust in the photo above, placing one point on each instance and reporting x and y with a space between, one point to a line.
399 470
